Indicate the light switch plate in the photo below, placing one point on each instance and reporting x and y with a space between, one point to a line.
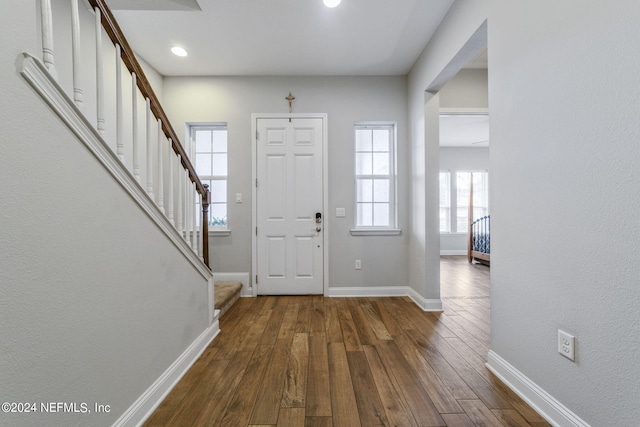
341 212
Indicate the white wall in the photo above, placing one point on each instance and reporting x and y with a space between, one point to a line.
96 302
345 100
458 39
456 159
467 89
564 103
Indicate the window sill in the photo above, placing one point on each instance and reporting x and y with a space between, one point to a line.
376 231
219 232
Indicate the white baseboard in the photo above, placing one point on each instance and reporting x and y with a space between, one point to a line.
236 277
453 252
150 399
424 303
542 402
387 291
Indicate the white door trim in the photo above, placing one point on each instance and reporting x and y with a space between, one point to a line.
325 192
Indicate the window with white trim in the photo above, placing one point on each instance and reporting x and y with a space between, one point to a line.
454 199
209 144
445 201
480 197
375 175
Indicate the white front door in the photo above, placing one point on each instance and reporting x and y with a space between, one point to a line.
289 197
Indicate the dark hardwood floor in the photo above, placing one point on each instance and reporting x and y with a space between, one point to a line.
315 361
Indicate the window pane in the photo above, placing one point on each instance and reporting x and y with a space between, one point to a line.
462 221
462 184
381 190
445 189
363 164
444 220
363 140
381 163
218 191
381 140
219 164
364 190
203 141
203 164
219 141
364 215
218 214
445 202
381 214
480 189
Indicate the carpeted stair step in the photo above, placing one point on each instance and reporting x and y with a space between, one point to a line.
226 294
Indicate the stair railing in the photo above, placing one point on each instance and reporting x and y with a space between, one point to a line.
172 183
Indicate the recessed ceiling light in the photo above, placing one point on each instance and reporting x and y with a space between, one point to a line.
331 3
179 51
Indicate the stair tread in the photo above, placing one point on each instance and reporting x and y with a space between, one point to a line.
226 293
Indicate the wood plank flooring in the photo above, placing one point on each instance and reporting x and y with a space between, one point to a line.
316 362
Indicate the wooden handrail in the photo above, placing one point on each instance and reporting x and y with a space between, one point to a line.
114 32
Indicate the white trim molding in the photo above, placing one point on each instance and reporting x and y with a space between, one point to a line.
424 303
386 291
375 231
542 402
453 252
144 406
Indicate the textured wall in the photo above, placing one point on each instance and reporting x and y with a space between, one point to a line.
95 303
458 39
467 89
345 100
564 102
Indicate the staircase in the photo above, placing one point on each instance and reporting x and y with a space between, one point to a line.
226 294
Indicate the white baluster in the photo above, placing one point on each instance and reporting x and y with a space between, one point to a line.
188 210
201 229
160 168
149 152
134 114
181 204
119 106
75 50
99 74
47 37
171 184
194 235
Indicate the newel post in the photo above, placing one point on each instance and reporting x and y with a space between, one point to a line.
206 200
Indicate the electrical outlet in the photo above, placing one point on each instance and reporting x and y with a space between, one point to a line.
358 264
567 345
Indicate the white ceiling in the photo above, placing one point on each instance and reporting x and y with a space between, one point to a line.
464 130
280 37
